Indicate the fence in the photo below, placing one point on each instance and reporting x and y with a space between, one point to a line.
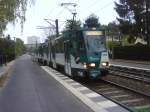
4 59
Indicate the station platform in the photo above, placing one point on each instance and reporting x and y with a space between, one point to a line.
144 65
94 101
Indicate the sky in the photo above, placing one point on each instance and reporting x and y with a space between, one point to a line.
52 9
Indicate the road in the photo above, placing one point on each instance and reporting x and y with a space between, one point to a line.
31 89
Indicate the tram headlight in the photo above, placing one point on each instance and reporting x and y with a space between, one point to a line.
84 65
92 65
104 64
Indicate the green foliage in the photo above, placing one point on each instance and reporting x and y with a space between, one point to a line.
70 24
131 39
136 52
6 46
92 21
131 13
125 40
146 109
10 10
113 28
9 47
19 47
111 44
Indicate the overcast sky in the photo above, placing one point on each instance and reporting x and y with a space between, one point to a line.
51 9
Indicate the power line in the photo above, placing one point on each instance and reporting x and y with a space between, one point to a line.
105 6
94 3
53 9
91 5
60 12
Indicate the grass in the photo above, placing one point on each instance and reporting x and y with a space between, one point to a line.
146 109
3 78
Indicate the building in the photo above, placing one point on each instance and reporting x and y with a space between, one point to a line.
32 43
33 40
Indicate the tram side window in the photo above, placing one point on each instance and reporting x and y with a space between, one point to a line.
81 46
59 47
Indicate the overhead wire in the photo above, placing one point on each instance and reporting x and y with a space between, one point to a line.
105 6
97 1
94 3
60 13
52 11
54 8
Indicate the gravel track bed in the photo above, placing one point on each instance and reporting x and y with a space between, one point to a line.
139 73
140 86
120 95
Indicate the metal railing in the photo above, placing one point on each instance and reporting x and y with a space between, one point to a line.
5 58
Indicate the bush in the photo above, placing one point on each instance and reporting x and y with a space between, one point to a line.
111 44
136 52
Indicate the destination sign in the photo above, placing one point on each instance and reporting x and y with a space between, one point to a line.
94 33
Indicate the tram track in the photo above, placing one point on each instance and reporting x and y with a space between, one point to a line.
126 89
126 78
124 96
136 72
129 76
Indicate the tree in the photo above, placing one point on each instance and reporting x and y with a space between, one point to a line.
92 21
70 24
113 28
11 10
7 47
19 47
132 17
113 31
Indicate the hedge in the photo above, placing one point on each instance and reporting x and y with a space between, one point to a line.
5 58
137 52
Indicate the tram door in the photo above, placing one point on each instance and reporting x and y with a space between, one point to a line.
67 66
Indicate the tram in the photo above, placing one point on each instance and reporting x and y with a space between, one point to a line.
77 52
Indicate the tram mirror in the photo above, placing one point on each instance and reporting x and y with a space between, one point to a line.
77 60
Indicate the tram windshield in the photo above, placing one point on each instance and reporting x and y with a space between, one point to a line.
95 41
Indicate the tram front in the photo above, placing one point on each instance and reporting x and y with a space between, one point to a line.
96 51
